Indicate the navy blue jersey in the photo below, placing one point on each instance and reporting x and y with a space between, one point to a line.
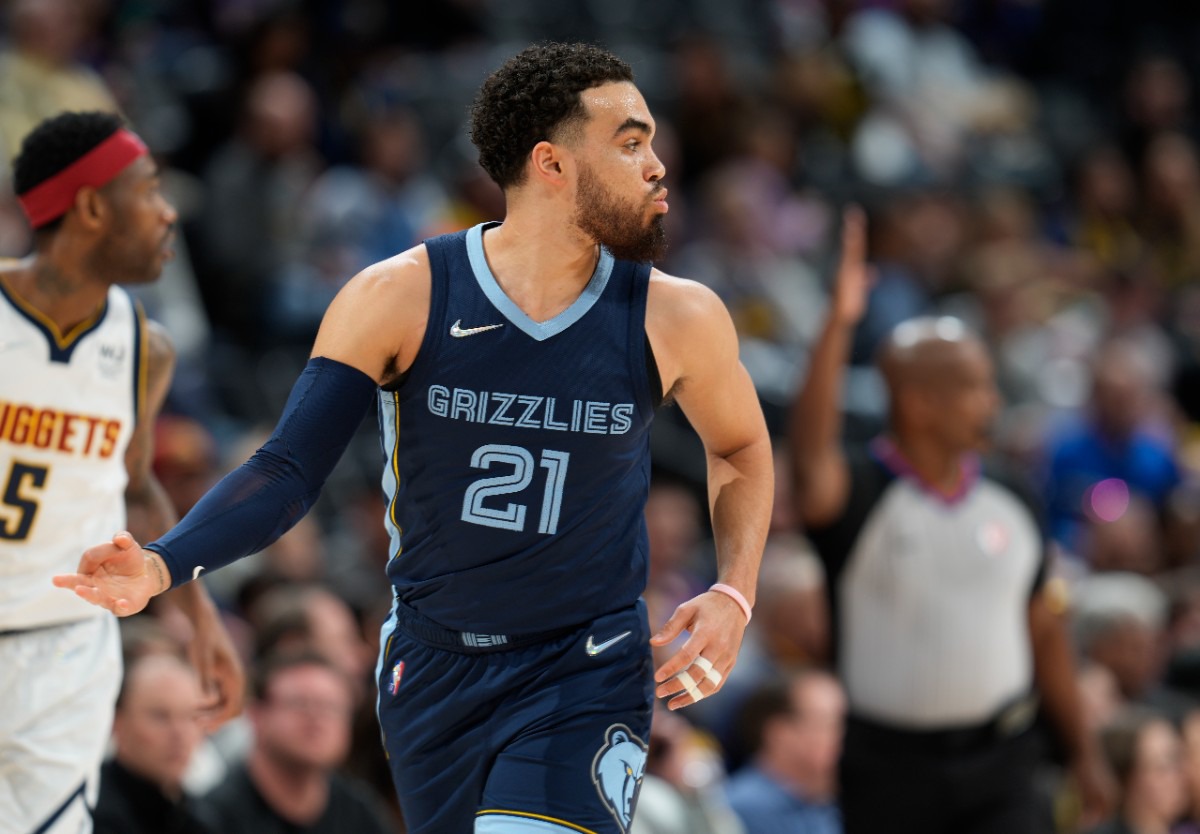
518 451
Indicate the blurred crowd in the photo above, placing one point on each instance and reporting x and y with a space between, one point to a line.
1030 166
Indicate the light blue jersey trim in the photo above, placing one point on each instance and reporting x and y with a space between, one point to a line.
515 315
385 646
499 822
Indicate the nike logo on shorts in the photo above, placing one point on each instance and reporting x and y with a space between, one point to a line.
458 332
594 648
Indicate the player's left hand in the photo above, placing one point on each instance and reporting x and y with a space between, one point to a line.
219 668
715 624
117 575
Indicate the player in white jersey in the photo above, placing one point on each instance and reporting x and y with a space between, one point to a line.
82 378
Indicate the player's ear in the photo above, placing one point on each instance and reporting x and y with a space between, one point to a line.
91 207
550 163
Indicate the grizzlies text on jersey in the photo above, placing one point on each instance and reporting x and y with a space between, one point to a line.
518 451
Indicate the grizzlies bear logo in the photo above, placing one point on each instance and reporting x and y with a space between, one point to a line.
617 771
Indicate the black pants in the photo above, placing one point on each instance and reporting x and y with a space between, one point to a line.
918 783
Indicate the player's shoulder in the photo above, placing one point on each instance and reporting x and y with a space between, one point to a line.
681 300
402 278
689 328
406 266
159 345
379 316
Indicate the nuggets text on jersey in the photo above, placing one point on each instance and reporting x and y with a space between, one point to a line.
60 431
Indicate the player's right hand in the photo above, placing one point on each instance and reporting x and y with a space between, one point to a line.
117 575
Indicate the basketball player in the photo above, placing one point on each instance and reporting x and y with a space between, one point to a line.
516 367
82 376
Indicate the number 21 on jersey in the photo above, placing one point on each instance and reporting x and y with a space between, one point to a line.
511 516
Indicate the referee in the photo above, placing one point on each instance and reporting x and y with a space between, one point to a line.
943 636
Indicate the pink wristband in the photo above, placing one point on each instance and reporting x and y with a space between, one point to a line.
735 594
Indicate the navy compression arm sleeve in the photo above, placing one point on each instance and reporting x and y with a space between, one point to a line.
263 498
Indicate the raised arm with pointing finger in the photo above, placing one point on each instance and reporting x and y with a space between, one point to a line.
819 464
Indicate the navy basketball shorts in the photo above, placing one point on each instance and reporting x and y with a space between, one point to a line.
549 737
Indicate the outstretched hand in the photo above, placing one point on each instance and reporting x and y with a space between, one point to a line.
716 625
117 575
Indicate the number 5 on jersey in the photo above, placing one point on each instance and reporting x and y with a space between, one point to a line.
22 479
512 516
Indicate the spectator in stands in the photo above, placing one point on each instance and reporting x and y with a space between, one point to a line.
1171 206
249 229
301 711
186 459
1095 466
683 790
925 82
1106 196
678 564
793 729
789 632
41 73
157 727
1120 622
1146 754
1190 734
1130 541
311 617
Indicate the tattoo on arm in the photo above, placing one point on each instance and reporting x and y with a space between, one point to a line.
158 572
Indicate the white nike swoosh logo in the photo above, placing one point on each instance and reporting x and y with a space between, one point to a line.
594 649
458 332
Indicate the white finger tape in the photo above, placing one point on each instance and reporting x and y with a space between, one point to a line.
710 674
690 685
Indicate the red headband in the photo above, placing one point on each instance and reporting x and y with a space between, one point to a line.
52 198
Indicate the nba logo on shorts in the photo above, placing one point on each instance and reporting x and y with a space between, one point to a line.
397 673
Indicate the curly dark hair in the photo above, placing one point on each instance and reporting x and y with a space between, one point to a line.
57 142
534 97
54 144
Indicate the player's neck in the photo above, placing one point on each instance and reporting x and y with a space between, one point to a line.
298 794
61 293
542 265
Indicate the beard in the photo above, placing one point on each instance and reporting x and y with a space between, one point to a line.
617 225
